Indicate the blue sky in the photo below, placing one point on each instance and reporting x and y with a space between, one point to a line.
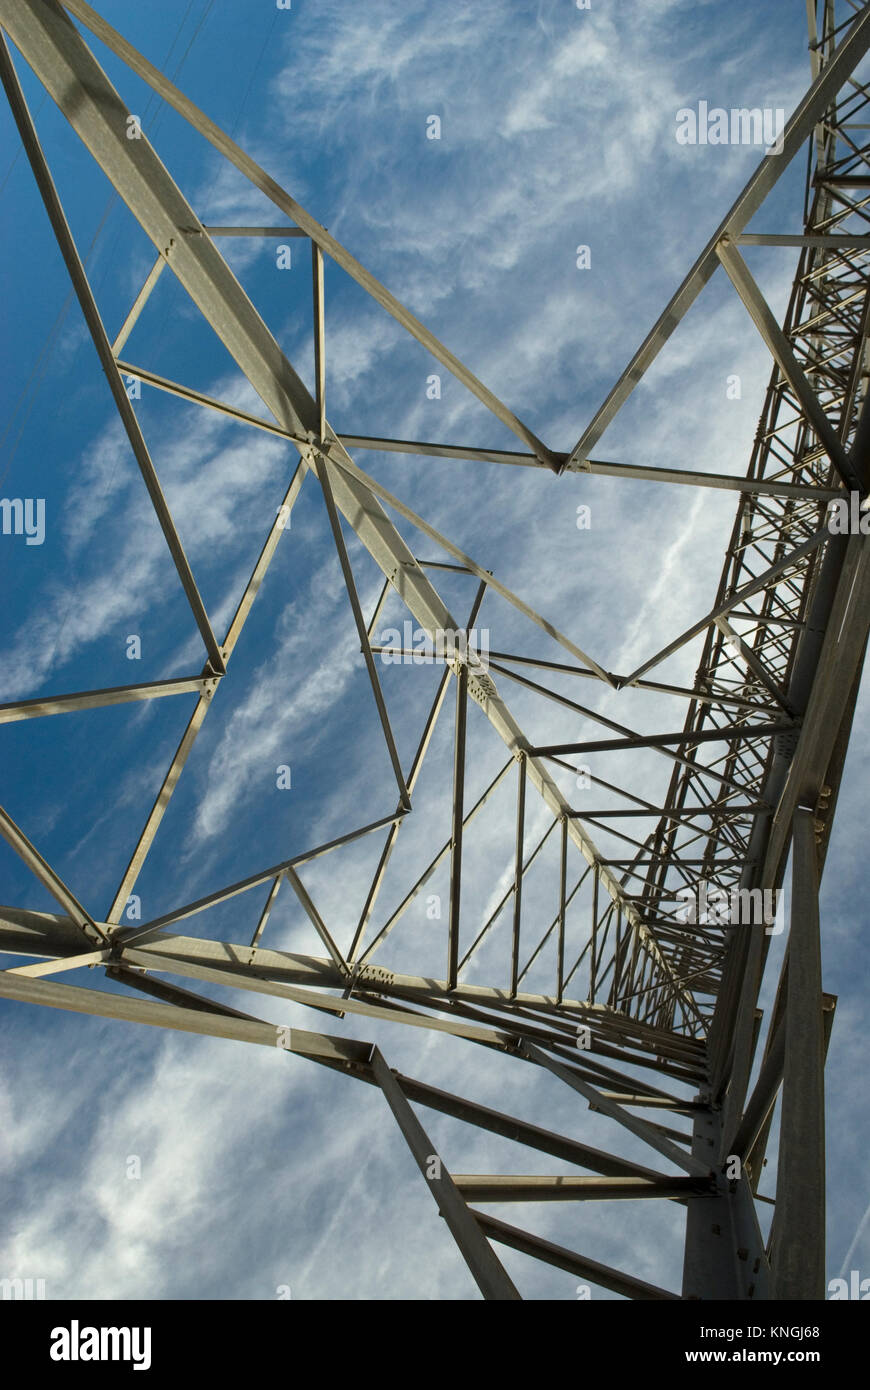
557 129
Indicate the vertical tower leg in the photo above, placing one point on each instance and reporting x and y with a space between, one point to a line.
798 1256
724 1253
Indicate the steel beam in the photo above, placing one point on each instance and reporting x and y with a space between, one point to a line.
557 1255
783 354
641 1128
42 870
488 1271
518 876
533 1188
798 1257
89 309
99 699
458 822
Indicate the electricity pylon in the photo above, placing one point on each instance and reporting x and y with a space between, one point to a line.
662 1002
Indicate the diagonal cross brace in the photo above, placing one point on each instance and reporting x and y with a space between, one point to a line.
485 1266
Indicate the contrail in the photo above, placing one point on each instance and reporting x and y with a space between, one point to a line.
858 1234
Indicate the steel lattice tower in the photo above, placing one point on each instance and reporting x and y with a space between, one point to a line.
665 1008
